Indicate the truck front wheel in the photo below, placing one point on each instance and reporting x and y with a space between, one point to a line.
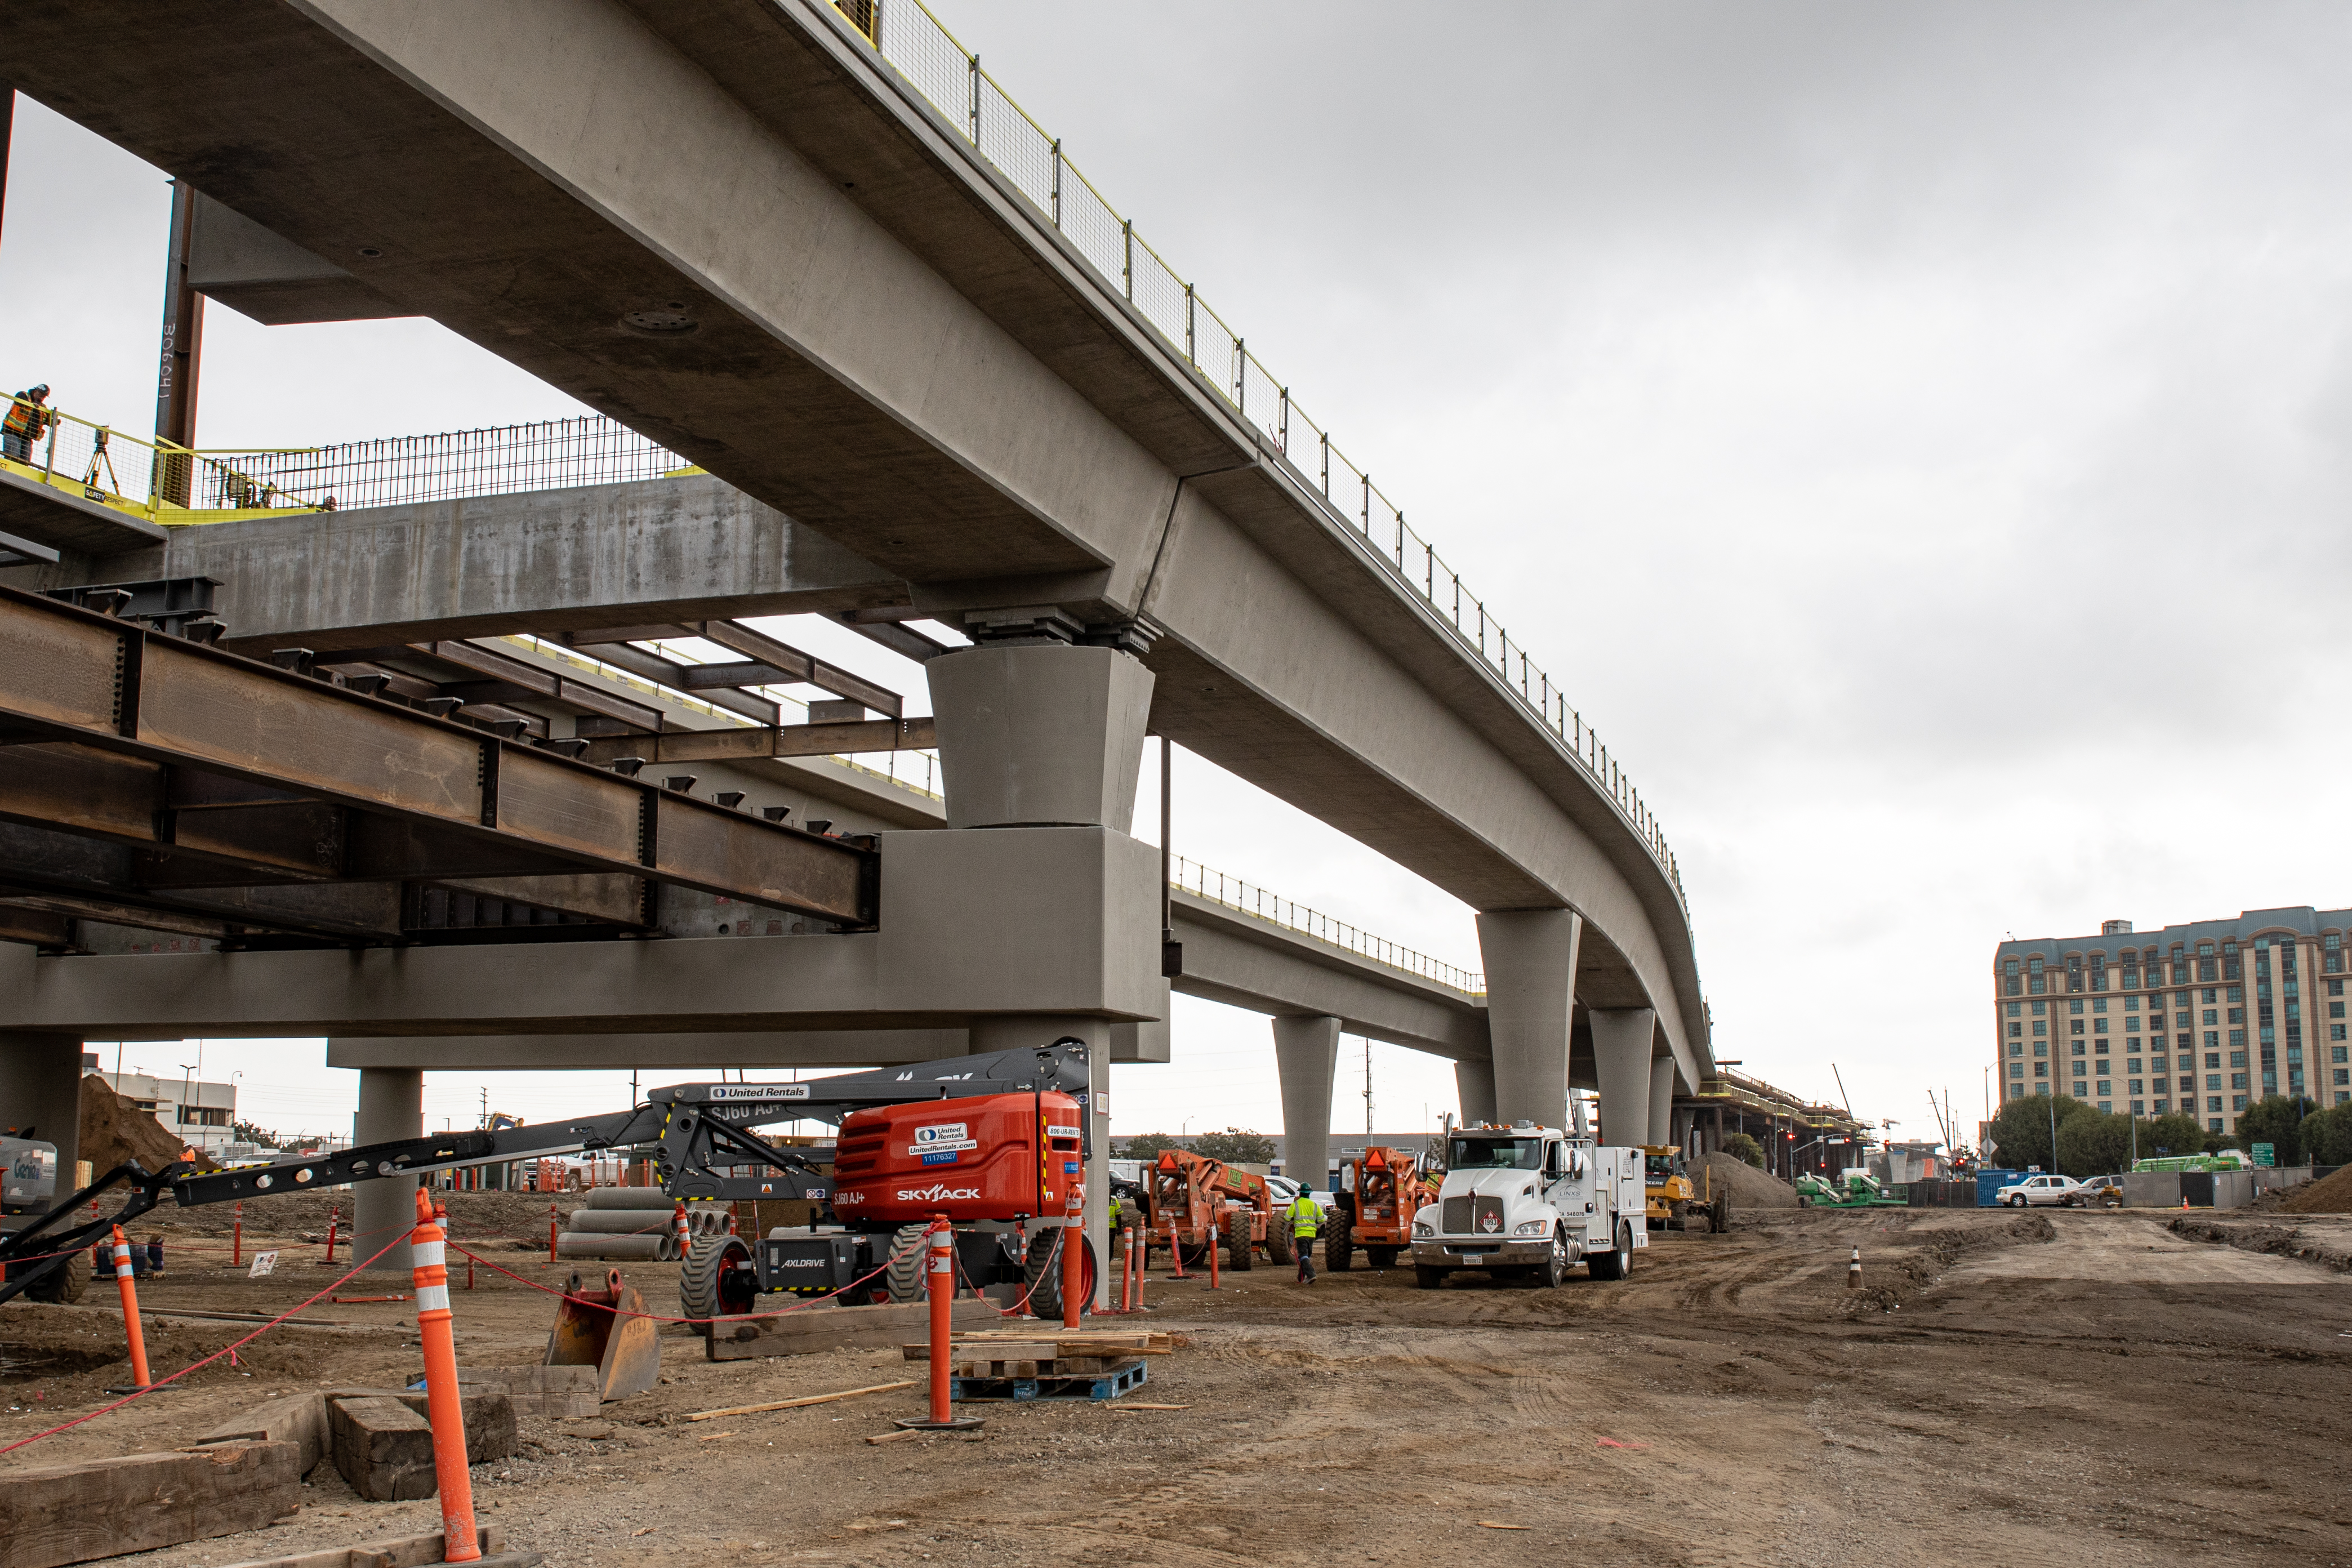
1428 1279
1554 1270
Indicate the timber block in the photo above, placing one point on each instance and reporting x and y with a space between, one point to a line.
489 1420
549 1392
74 1513
297 1418
383 1448
816 1329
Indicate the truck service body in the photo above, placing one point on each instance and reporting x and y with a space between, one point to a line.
1534 1200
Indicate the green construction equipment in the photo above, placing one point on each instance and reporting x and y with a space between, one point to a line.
1854 1189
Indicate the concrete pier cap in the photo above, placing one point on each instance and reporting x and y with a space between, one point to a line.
1040 734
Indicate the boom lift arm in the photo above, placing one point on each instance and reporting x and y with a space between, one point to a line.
691 1126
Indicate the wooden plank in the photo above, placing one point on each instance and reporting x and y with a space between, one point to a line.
805 1399
75 1513
832 1328
398 1552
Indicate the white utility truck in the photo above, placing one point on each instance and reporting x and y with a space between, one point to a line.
1533 1201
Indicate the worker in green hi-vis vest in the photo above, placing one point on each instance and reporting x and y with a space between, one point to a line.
1306 1219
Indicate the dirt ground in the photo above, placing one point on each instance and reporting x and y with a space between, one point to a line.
1732 1403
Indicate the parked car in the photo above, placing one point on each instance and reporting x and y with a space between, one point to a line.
2062 1192
2104 1192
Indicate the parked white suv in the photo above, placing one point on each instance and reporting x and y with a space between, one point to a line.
2064 1192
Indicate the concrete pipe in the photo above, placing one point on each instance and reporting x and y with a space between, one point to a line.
654 1249
629 1198
617 1222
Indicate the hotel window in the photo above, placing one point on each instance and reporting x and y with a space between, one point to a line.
2077 1050
2334 1031
2131 1004
2017 1048
2079 1088
2040 1048
2131 1042
2074 974
2212 1037
2105 1087
2212 1080
2205 967
2016 1029
2229 961
2075 1008
2040 1008
2236 1015
2013 1008
2211 1016
2237 1058
2213 1102
2017 1069
2034 980
2337 1053
2212 1059
2040 1069
2136 1085
2336 1009
2073 1025
2107 1107
2332 958
2237 1103
2009 977
2041 1026
2131 1064
2237 1037
2344 1075
2237 1081
2100 1024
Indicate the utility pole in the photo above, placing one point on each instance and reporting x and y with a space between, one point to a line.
1368 1091
1171 952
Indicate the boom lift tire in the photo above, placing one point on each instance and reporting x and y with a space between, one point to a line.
718 1281
1339 1240
1618 1262
1042 1265
1238 1248
1279 1249
1381 1256
1427 1278
63 1284
906 1271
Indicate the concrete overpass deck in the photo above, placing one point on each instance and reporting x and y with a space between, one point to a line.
906 352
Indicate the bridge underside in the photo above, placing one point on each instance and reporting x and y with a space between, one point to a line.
893 348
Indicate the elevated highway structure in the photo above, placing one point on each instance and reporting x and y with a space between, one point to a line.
925 380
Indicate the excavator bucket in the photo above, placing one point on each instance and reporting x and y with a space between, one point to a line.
595 1328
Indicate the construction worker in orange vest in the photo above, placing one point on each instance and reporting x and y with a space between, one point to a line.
28 420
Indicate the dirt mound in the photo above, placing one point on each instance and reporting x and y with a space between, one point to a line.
1751 1188
114 1130
2331 1194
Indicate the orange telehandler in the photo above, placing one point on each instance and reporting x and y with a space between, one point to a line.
1374 1207
1211 1203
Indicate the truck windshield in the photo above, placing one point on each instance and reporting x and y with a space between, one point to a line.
1495 1154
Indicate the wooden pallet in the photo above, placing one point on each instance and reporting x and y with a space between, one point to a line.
1048 1344
1122 1378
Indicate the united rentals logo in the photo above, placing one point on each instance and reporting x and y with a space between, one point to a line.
934 1194
758 1092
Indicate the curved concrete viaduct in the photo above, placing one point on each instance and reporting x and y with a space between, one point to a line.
895 348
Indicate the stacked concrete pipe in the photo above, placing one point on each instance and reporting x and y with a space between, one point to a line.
622 1222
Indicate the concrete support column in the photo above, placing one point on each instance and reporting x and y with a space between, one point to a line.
1473 1082
392 1105
1662 1100
1621 1061
1306 1055
40 1095
1040 734
1530 961
1026 1031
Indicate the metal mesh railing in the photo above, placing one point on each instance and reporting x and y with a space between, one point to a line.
556 453
155 480
1233 893
919 46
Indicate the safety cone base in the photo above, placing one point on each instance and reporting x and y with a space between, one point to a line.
953 1423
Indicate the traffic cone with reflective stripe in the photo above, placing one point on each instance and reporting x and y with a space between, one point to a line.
684 1230
123 1282
443 1406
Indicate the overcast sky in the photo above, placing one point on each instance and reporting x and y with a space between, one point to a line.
1911 435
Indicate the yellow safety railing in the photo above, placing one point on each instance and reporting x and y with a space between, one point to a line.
158 481
905 35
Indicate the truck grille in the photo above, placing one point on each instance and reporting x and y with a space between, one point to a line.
1486 1216
1456 1217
